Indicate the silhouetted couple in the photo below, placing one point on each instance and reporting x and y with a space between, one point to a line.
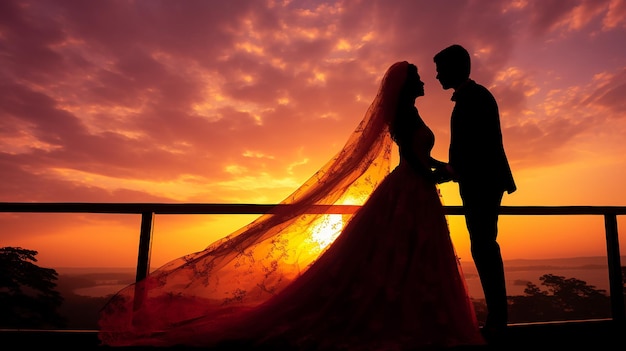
390 279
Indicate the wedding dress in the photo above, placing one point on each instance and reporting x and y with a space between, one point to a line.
385 278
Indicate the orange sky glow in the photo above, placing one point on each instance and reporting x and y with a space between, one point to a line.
242 101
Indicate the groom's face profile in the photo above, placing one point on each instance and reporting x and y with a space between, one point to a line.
445 76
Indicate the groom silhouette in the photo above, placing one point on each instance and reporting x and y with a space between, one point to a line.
478 163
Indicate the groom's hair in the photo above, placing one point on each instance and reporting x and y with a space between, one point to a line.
455 58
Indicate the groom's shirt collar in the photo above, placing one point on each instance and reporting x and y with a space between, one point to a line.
460 88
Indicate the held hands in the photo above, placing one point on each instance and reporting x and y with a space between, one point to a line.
443 173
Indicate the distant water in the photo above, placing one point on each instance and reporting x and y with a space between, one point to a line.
592 270
104 280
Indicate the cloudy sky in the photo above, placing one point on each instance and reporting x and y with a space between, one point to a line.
240 101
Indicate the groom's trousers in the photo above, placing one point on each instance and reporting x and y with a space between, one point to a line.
482 207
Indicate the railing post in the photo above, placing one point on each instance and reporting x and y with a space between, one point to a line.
616 287
145 245
143 258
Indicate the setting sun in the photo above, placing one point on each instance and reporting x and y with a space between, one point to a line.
326 231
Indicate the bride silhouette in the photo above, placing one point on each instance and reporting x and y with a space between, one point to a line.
384 278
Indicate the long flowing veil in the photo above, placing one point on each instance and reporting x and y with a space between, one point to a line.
247 267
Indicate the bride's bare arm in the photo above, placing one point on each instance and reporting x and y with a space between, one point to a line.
420 165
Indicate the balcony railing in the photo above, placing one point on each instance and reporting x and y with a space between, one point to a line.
149 210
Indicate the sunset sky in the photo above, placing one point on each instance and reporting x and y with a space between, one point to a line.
241 101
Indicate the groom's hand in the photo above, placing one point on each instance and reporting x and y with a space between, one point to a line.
443 173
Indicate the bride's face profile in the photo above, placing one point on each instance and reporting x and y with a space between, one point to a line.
414 84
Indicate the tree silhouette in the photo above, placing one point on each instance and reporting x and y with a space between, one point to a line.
28 298
564 299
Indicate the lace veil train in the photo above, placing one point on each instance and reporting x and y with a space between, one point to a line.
247 267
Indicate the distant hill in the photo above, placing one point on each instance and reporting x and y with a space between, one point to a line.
103 281
519 272
592 262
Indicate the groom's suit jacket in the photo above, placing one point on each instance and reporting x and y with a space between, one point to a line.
476 150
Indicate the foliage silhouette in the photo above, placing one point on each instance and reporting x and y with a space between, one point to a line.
28 298
564 299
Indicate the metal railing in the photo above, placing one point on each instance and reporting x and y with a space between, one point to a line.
149 210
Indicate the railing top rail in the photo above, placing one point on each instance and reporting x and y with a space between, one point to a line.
229 208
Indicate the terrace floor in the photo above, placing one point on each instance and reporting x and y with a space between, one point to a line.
585 335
